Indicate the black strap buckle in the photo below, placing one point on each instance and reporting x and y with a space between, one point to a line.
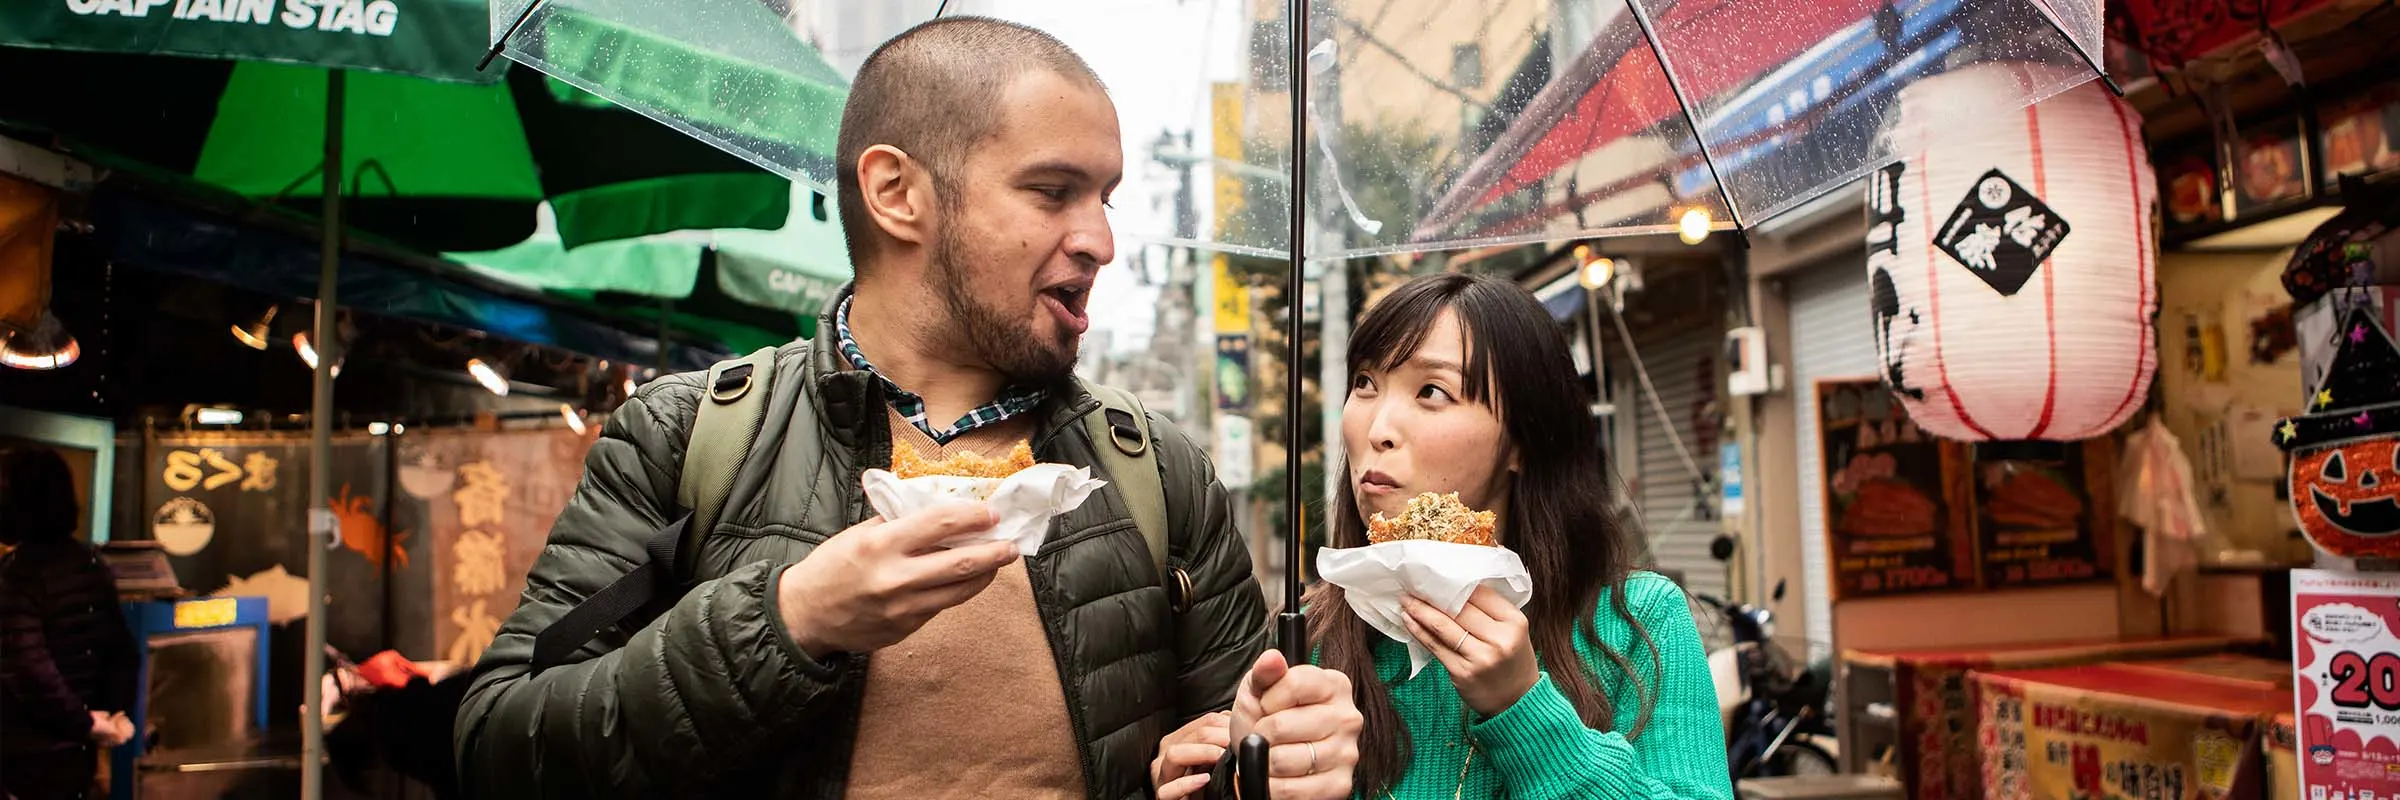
1125 434
731 384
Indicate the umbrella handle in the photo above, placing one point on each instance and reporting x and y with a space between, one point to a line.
1251 767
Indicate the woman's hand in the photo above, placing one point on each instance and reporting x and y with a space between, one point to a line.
1186 756
1485 648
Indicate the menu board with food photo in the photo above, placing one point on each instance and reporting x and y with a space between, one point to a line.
2361 133
2041 512
1891 524
2271 167
2191 191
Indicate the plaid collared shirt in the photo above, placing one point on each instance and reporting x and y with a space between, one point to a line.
1012 401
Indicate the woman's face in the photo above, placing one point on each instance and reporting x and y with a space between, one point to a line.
1408 430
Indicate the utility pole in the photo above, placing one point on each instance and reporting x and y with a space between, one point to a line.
1333 274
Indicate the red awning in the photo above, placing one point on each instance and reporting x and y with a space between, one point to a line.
2174 32
1570 117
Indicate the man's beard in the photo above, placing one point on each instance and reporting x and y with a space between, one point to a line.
1009 343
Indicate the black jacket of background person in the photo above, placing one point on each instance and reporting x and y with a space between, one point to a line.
64 648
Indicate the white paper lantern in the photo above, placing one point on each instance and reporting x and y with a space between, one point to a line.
2012 260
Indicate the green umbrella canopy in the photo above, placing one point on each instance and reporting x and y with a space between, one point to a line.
748 287
436 155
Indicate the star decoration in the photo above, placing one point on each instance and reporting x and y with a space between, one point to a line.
2358 334
2361 420
2324 398
2290 429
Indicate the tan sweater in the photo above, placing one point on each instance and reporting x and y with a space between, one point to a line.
969 706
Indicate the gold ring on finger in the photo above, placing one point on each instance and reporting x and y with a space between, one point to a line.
1462 643
1312 758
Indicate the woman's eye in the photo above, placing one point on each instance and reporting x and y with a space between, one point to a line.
1055 194
1432 392
1361 383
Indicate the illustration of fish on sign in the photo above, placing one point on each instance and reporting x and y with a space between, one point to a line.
362 531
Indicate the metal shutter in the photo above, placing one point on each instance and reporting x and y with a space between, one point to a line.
1832 337
1678 513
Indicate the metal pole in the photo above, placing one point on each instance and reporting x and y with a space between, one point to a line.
320 420
1292 627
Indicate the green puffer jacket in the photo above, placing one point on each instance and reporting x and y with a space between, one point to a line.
711 697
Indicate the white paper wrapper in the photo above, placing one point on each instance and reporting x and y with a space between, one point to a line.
1024 502
1375 577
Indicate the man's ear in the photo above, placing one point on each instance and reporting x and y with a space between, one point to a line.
897 198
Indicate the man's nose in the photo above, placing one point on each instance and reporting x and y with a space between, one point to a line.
1090 240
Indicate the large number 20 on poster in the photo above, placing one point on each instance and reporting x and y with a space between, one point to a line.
2347 650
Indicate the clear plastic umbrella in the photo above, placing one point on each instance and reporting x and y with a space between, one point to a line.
1420 125
1460 124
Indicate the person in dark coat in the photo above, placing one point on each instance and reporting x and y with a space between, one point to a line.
67 662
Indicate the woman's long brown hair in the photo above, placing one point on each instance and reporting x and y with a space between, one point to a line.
1559 516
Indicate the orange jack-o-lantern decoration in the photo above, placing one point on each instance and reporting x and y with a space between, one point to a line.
2345 467
2347 497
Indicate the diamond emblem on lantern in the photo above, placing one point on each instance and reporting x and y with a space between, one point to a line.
2001 233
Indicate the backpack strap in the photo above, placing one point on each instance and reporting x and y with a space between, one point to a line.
722 429
726 423
1120 433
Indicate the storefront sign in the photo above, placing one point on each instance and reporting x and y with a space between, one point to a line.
2347 690
487 500
2043 512
1894 518
2105 733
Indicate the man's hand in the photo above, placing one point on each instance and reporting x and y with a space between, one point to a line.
872 585
1311 724
1186 756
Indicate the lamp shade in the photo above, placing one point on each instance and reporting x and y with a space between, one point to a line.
2012 260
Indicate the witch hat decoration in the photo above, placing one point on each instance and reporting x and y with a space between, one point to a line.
2345 468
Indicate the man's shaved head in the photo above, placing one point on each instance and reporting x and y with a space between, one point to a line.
933 92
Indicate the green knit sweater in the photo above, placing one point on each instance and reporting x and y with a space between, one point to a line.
1539 749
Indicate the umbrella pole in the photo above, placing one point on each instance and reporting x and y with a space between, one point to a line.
1291 625
320 462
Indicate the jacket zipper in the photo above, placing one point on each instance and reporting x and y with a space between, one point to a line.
1069 687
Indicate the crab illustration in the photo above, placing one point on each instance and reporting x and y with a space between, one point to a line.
362 533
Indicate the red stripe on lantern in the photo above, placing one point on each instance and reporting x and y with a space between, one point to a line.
2141 237
2041 188
1933 299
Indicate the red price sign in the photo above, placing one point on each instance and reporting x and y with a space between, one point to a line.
2365 679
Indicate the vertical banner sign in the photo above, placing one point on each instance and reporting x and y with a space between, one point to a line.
488 500
2347 690
1225 143
1233 374
1233 340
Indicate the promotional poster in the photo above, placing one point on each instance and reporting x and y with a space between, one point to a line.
2347 692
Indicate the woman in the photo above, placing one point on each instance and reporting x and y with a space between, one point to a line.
1598 687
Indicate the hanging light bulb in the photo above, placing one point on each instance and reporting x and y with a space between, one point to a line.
1598 271
1694 226
574 418
255 333
308 353
488 375
47 345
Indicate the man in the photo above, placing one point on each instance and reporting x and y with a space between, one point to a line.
66 657
826 656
